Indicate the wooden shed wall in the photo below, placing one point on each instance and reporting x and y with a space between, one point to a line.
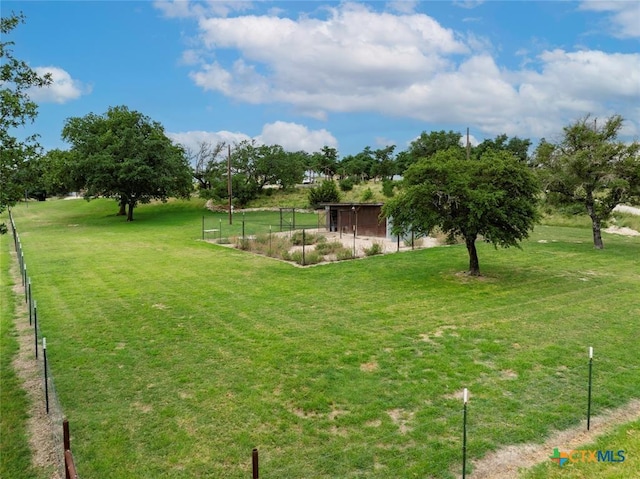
365 218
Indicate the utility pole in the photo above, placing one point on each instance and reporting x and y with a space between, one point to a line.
468 145
229 191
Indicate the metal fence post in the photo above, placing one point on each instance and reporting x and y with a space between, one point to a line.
46 377
254 462
464 434
35 332
589 394
30 301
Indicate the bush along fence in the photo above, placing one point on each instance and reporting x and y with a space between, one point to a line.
59 424
301 236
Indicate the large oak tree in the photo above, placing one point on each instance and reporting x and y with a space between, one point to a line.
125 155
494 196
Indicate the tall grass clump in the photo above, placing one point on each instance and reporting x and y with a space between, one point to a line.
374 249
303 237
310 257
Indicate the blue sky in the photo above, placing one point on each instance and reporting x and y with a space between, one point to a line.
344 74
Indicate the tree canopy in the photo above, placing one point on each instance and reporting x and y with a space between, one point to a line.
16 110
125 155
591 169
494 196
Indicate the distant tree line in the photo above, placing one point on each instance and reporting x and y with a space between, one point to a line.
491 189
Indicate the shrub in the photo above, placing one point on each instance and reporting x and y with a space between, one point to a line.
325 247
344 253
387 188
327 192
270 245
297 238
243 243
376 248
346 184
367 195
310 257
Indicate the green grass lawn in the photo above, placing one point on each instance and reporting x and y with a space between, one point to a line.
174 357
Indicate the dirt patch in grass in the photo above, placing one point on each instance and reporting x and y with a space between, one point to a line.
39 424
508 461
402 419
616 230
369 367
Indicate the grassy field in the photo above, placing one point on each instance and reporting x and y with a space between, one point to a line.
175 357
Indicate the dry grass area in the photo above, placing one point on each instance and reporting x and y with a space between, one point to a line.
335 246
39 425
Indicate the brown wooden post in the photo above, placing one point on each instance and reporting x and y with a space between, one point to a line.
70 467
65 435
254 461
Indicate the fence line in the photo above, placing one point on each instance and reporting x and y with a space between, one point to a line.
213 227
59 424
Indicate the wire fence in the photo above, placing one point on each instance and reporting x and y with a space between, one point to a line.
219 226
58 424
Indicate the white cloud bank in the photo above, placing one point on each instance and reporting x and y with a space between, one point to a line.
624 16
406 64
62 89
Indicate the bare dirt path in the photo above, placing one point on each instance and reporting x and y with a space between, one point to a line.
624 231
508 461
44 453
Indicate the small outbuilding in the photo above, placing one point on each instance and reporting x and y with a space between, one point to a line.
365 219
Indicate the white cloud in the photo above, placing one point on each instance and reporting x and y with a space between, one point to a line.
296 137
403 6
190 57
291 136
407 65
186 8
569 85
468 4
193 139
355 52
624 16
62 89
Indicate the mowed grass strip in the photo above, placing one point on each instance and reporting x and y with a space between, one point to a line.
175 357
624 443
15 455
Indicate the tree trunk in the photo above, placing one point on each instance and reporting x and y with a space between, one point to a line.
474 264
123 208
597 235
130 213
595 226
